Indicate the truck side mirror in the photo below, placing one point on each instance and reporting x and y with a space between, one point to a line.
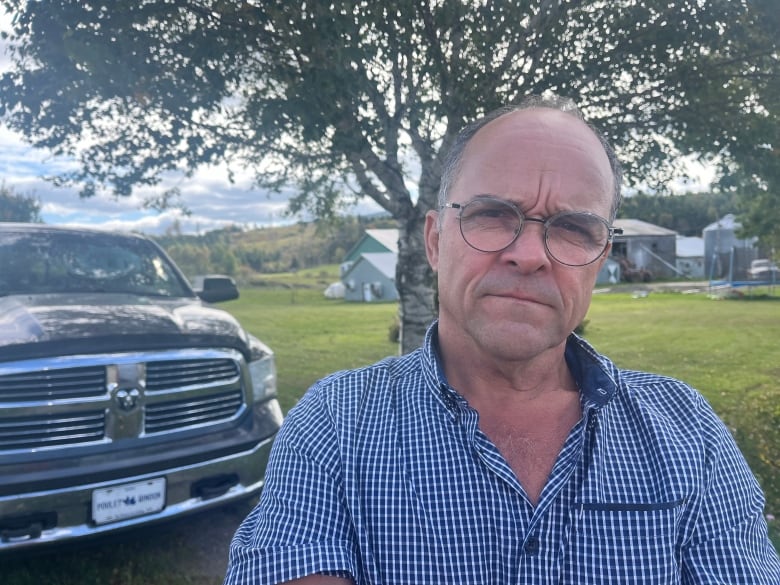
215 288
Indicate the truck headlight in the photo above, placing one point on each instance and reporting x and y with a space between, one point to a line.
262 369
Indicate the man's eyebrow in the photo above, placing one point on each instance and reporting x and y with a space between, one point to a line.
492 196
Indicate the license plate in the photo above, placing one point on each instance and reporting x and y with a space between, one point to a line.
128 500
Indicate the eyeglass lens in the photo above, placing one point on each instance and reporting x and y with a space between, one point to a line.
571 238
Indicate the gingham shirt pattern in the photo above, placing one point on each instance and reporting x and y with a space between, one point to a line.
381 474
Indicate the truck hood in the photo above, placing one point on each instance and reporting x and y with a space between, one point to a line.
90 322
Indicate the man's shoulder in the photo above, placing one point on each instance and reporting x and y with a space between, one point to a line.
641 398
390 370
652 387
362 387
360 405
668 403
594 370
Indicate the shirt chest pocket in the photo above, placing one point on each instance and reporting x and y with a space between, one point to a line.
623 543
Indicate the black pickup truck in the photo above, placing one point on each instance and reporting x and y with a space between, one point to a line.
125 398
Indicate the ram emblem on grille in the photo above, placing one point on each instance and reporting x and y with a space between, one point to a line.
127 399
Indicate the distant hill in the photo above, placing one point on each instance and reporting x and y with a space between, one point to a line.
245 254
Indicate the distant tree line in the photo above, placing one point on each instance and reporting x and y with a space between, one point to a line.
241 253
686 214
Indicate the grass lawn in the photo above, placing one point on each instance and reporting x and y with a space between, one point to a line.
313 336
727 349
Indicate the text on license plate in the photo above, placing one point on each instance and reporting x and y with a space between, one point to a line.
128 500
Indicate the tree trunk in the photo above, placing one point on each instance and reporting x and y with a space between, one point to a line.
414 280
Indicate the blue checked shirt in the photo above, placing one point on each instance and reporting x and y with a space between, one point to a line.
382 475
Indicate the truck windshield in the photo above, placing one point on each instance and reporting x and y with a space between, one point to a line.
43 262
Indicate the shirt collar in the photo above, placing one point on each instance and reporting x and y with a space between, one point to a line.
595 375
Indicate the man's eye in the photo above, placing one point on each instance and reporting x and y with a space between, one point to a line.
496 213
583 231
573 227
489 212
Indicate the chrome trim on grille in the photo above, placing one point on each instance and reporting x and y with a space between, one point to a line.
167 416
88 399
53 384
38 432
163 375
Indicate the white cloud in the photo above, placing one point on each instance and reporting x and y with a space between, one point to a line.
213 200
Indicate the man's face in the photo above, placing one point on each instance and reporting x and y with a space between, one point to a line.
517 303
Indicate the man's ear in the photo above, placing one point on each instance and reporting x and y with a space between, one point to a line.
604 256
432 238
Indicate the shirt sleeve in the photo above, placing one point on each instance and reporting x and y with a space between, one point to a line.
301 524
729 543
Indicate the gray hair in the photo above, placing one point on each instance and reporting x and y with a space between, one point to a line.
454 158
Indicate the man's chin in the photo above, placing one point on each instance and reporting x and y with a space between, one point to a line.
520 341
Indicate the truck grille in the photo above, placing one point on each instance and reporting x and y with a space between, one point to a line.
190 412
62 402
177 373
35 432
49 384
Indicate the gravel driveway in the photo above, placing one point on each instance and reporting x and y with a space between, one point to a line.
206 538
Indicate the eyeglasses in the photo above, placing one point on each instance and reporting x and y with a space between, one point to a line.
572 238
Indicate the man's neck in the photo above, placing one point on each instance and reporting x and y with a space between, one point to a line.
481 377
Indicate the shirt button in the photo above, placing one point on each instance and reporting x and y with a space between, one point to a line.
532 545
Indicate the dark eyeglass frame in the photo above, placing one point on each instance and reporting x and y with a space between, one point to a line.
545 221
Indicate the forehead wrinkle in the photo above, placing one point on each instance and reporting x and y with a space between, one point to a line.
545 188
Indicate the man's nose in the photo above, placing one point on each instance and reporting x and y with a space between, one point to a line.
528 250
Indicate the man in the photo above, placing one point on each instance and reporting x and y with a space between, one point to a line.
506 450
